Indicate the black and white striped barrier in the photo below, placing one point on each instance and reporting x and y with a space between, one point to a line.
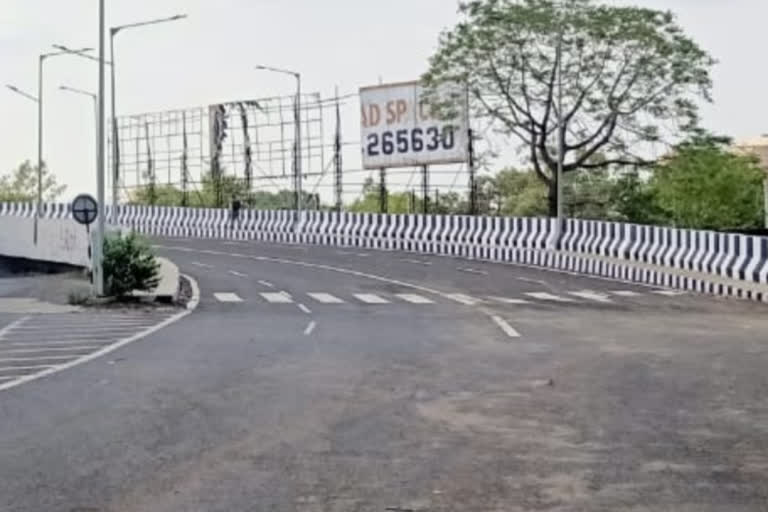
678 258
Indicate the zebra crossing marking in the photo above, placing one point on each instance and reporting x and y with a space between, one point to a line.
370 298
277 298
325 298
413 298
463 299
227 297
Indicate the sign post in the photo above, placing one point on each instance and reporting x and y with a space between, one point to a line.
85 210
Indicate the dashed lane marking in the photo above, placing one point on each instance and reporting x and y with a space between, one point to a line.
201 265
370 298
505 327
626 293
414 299
509 300
469 270
310 327
590 295
416 262
305 309
548 297
669 293
325 298
227 297
237 274
266 283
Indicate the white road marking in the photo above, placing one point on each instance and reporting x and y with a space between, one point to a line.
508 300
549 297
416 262
13 325
25 368
463 299
472 271
310 328
227 297
590 295
266 283
201 265
626 293
370 298
504 326
277 298
326 298
669 293
42 349
414 299
344 253
305 309
53 344
109 348
40 358
537 281
362 254
238 274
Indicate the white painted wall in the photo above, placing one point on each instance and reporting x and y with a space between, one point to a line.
59 240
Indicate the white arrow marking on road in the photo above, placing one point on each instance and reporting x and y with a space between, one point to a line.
590 295
504 326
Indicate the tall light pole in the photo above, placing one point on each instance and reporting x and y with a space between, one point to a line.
98 245
22 93
113 31
297 117
555 240
95 98
41 61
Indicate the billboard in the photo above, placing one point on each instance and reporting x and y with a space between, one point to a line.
399 129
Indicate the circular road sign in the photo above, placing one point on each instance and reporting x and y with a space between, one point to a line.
85 209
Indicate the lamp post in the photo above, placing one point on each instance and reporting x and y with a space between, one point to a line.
95 98
22 93
297 117
113 31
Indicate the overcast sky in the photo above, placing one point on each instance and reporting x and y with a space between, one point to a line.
209 57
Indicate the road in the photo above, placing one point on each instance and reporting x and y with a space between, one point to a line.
323 379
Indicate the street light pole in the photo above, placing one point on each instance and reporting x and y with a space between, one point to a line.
298 178
98 246
113 31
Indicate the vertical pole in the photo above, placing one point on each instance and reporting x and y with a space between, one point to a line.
472 184
437 201
337 158
765 198
383 190
298 147
560 139
115 144
424 188
38 210
98 276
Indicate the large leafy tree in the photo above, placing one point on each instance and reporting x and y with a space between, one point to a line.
625 77
21 184
704 185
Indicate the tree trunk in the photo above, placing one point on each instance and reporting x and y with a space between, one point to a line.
552 198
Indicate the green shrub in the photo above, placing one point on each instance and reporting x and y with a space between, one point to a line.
129 265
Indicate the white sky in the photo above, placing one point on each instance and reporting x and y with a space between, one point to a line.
209 57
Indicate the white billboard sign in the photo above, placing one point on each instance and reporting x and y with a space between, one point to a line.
399 129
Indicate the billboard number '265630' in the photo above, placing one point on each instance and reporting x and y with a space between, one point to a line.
400 129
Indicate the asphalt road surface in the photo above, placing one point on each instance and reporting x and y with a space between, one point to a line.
323 379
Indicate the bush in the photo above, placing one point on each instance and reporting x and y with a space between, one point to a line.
129 265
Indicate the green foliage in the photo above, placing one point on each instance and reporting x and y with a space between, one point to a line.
21 184
625 72
129 264
705 186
